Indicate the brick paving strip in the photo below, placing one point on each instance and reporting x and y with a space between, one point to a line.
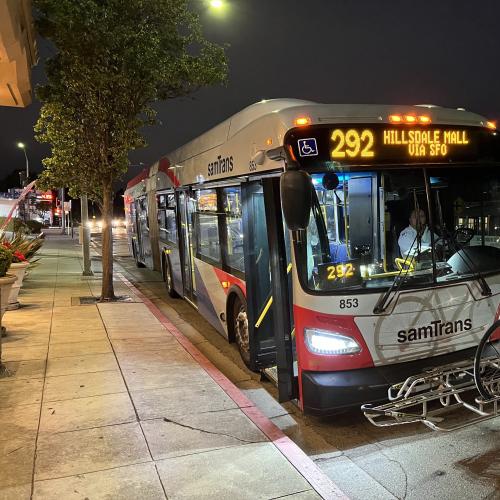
112 401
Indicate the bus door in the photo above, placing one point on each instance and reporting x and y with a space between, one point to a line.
187 207
143 244
268 292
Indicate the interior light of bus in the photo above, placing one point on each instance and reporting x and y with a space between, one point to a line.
395 118
301 121
424 119
269 142
410 119
326 342
491 125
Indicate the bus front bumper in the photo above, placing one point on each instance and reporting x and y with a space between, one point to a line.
325 393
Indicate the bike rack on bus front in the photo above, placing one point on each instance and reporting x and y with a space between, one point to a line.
431 396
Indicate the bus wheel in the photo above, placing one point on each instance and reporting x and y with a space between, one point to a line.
240 326
169 281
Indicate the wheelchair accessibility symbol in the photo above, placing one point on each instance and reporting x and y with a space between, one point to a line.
308 147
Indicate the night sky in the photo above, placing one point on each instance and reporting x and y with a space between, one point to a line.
444 52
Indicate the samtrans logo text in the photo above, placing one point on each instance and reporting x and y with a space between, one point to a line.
220 166
437 328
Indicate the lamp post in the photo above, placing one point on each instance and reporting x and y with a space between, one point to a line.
22 146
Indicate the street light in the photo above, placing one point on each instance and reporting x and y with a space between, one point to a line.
22 146
216 4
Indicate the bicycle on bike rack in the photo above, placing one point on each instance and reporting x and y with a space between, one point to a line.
472 385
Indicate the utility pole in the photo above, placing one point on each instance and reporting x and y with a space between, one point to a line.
87 268
26 205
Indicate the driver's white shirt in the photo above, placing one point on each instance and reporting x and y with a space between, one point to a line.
408 237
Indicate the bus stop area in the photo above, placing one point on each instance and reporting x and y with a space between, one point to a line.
110 400
117 400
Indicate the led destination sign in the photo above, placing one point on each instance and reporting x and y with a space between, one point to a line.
390 144
364 143
435 142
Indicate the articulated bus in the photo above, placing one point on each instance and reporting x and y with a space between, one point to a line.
343 248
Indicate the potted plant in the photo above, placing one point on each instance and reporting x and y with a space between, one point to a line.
17 268
6 280
22 248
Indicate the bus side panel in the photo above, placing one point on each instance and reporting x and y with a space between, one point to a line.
210 295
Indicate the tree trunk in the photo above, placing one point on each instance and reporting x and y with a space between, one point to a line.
107 292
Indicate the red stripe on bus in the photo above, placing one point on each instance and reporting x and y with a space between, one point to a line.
305 466
138 178
228 280
342 324
164 166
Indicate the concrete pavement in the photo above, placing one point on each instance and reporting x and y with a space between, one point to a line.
110 401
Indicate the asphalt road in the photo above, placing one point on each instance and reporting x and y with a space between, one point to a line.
367 462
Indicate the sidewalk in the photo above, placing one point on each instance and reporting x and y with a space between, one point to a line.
111 401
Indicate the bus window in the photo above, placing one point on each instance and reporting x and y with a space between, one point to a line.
207 227
348 245
231 200
466 205
167 218
170 220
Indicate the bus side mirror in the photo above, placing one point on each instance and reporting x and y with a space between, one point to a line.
296 198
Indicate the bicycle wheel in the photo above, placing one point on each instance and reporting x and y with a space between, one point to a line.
487 364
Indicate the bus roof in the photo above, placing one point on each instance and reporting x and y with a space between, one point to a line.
263 125
286 110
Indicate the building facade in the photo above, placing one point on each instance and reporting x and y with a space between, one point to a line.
18 52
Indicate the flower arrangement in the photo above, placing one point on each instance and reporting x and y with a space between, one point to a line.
17 256
23 247
5 260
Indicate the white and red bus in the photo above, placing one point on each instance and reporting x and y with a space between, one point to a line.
347 246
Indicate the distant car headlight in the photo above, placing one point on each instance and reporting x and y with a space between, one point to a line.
325 342
118 222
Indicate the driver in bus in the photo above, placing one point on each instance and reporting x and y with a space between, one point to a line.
409 243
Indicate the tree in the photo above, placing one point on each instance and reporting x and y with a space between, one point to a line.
114 59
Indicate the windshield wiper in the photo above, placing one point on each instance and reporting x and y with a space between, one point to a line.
383 302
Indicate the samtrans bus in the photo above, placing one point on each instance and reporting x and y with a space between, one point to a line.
343 248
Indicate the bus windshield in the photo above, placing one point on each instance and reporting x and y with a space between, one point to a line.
367 229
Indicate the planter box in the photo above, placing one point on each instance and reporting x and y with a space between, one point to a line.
5 285
18 270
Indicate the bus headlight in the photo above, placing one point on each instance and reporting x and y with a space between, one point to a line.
325 342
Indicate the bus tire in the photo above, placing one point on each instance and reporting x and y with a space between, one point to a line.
239 324
169 280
